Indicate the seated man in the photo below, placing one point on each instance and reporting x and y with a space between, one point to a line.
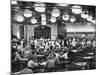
57 58
29 67
65 56
32 64
50 63
19 58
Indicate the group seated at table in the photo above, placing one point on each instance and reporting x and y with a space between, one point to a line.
45 55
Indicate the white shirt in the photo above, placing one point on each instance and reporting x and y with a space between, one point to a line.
65 56
88 42
94 44
73 43
32 64
57 55
36 42
82 43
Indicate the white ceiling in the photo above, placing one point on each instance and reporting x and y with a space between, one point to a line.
83 2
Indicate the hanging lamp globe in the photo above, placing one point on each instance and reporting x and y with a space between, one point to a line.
65 17
72 19
27 13
39 7
53 19
19 18
76 9
33 21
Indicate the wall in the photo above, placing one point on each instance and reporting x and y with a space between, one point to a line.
30 31
15 29
54 29
80 27
71 29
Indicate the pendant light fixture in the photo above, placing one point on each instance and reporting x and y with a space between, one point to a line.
53 19
65 17
76 9
18 17
55 12
27 13
84 14
33 21
72 19
43 22
39 7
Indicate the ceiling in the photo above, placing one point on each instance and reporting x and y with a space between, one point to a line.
21 6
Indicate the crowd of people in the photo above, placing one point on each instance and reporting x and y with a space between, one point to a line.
46 55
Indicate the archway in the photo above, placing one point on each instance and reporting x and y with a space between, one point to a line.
42 31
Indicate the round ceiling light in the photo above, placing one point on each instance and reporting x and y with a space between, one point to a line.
65 17
19 18
14 2
53 19
94 21
43 17
44 22
84 14
72 19
76 9
33 21
55 12
39 7
89 18
27 13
